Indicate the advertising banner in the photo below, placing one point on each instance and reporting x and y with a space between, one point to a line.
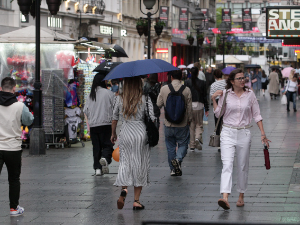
183 19
283 22
226 17
253 39
164 14
247 19
206 14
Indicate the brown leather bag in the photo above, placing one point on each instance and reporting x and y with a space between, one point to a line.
215 139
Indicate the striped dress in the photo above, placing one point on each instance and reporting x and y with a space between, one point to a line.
134 151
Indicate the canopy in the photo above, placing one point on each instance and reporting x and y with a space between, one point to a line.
232 59
27 35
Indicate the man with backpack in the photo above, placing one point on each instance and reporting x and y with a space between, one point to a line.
177 101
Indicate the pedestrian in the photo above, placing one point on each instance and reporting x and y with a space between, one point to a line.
220 84
256 82
115 86
209 78
134 166
98 115
264 82
291 92
176 128
13 114
240 107
201 75
248 78
291 76
152 89
199 102
274 83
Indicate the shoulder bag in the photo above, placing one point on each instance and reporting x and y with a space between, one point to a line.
215 139
152 130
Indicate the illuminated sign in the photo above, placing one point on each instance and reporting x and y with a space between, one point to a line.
283 22
162 50
106 30
123 33
297 51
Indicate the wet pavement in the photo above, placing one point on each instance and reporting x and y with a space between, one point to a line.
59 188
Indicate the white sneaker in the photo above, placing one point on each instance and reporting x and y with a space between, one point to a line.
205 122
98 172
17 212
104 165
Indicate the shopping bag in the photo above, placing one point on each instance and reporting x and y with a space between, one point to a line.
283 100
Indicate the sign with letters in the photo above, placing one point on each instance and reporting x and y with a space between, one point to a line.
247 19
226 17
283 22
183 18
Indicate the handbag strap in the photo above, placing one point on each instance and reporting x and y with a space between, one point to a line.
147 109
224 102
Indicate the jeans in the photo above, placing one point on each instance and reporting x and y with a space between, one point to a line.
13 162
102 146
291 96
177 136
205 118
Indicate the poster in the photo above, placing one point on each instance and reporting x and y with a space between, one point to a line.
226 17
206 21
164 14
183 19
247 19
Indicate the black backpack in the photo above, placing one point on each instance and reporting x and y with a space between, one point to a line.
175 105
151 129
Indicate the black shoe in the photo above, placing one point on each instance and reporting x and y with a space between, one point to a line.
295 110
288 110
219 150
173 173
177 167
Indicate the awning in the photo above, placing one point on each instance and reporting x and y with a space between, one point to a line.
183 41
232 59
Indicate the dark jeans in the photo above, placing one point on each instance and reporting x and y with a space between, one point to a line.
218 132
102 146
177 136
291 96
13 162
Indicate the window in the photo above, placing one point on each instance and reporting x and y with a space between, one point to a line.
24 19
219 5
106 30
256 5
5 4
175 17
237 8
54 22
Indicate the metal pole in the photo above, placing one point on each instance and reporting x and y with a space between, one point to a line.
149 30
197 49
210 54
223 52
37 137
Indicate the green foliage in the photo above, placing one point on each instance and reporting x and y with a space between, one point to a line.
188 36
160 23
141 22
200 36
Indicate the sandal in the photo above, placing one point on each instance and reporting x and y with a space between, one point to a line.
240 203
121 200
138 207
224 204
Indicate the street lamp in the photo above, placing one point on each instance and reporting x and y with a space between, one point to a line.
223 29
149 5
241 45
210 35
197 19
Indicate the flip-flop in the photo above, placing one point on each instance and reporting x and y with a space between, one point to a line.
240 204
224 204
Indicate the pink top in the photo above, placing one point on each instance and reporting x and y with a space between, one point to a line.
239 111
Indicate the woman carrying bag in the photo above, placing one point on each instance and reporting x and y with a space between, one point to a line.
291 92
239 108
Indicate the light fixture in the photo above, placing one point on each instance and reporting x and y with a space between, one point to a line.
223 28
149 4
68 1
77 3
198 17
210 35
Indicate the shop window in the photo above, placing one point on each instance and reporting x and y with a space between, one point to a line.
5 4
54 22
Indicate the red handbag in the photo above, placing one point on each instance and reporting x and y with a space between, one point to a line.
267 158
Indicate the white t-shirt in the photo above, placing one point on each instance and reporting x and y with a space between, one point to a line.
291 86
73 112
197 105
72 126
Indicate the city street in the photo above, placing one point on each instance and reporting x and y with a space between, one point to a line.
59 188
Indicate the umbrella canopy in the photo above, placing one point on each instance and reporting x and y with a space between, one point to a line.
117 51
140 68
286 71
275 67
252 66
190 66
228 69
182 66
232 59
106 67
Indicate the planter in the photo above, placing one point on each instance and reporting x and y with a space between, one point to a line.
24 6
32 10
158 29
200 41
191 40
53 6
140 30
145 30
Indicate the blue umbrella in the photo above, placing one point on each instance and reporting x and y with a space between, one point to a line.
139 68
228 69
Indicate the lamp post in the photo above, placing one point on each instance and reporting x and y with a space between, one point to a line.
223 29
149 5
210 35
197 24
241 45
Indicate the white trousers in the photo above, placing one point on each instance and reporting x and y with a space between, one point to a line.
239 141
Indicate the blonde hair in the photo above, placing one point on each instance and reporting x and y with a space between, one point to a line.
132 96
292 74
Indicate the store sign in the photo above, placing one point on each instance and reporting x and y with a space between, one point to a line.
123 33
183 18
164 14
162 50
261 23
206 14
253 39
106 30
247 19
237 31
283 22
226 17
297 51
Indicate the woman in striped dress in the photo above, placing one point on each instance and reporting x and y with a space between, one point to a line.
134 150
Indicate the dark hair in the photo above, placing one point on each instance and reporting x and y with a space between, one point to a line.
273 69
177 74
264 74
153 79
97 82
296 75
231 78
8 84
114 81
218 73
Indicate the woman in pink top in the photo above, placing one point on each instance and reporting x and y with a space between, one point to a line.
240 107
